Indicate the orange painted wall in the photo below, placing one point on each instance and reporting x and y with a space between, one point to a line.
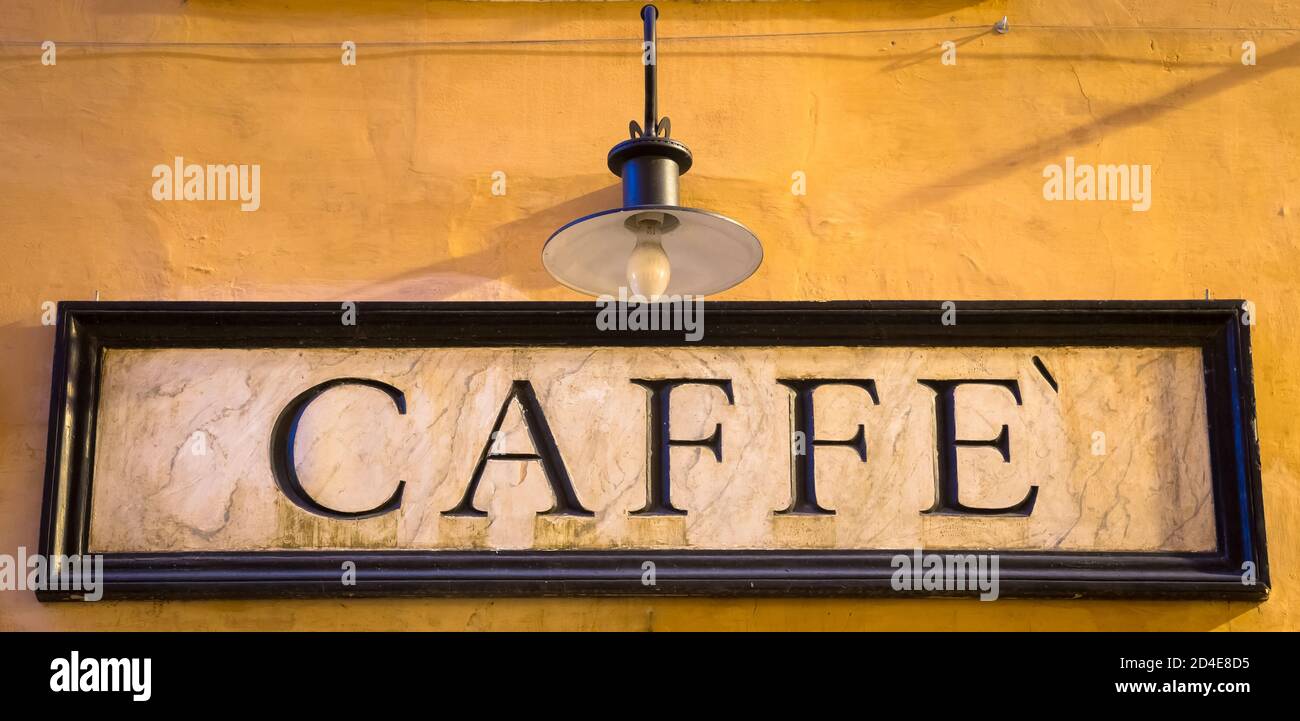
924 181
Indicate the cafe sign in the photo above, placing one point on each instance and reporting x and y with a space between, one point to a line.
1093 449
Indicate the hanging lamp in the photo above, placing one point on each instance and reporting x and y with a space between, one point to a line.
651 245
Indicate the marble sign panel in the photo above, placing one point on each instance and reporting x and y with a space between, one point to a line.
1109 445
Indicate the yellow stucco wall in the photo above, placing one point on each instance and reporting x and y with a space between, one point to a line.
923 182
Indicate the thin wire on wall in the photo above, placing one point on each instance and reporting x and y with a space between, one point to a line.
679 38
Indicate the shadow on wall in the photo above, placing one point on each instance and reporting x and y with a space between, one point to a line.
523 238
496 260
1146 112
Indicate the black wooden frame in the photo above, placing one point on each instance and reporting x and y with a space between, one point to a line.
86 329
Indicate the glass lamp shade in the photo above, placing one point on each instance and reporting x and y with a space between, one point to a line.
708 253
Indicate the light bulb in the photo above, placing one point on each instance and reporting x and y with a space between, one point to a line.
648 270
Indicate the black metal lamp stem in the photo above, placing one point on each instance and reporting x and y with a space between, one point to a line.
649 56
650 161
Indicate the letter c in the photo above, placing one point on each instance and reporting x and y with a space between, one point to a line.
282 438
